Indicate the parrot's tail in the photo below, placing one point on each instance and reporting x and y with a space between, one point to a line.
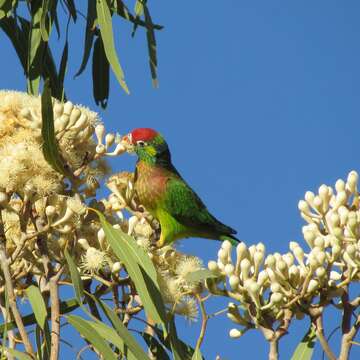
234 241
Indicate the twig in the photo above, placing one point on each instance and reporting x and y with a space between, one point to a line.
320 335
274 349
12 299
204 321
347 340
55 315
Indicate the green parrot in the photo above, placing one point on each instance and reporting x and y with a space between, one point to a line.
167 197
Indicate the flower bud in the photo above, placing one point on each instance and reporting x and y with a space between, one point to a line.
313 285
303 206
276 298
235 333
309 197
352 181
245 268
229 269
341 198
319 242
4 200
212 266
100 132
262 278
116 267
340 185
335 276
109 140
83 243
234 281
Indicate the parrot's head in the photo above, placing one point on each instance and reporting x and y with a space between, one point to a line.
148 144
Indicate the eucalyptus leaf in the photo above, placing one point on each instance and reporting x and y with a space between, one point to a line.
50 146
140 268
19 355
75 277
199 275
105 24
85 328
38 305
305 349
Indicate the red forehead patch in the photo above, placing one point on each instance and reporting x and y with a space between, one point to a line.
145 134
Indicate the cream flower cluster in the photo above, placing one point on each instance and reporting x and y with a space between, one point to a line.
276 285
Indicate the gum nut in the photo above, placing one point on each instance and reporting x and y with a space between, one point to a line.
226 245
289 259
321 257
276 297
293 245
253 288
309 197
351 250
100 132
58 109
319 242
260 247
270 261
116 267
245 265
235 333
335 250
258 257
74 116
281 265
234 281
323 191
241 250
68 107
303 206
223 256
341 198
212 266
339 185
299 253
320 272
101 235
335 276
119 149
81 123
83 243
50 211
100 149
109 139
61 123
313 285
275 287
229 269
335 219
318 201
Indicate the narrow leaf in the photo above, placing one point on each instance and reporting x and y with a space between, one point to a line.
100 73
105 24
63 67
157 350
71 8
65 307
124 333
75 277
140 269
151 42
197 355
50 147
87 331
305 349
89 35
44 21
38 305
19 355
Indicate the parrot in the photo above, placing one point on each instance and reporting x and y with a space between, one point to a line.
166 196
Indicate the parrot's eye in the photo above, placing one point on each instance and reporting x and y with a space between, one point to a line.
141 143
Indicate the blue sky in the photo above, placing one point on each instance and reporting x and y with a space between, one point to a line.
259 102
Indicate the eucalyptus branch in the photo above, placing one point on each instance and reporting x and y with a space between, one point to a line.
204 321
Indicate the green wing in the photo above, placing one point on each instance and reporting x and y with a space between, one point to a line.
188 209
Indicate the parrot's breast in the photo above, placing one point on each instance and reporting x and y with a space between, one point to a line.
150 185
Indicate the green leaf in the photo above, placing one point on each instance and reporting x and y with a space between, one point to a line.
105 24
17 37
75 277
121 329
140 268
6 7
35 49
157 350
19 355
38 305
89 35
71 8
151 42
50 147
100 73
199 275
65 307
63 67
139 8
197 355
85 328
44 21
305 349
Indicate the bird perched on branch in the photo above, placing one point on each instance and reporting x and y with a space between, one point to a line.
167 197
